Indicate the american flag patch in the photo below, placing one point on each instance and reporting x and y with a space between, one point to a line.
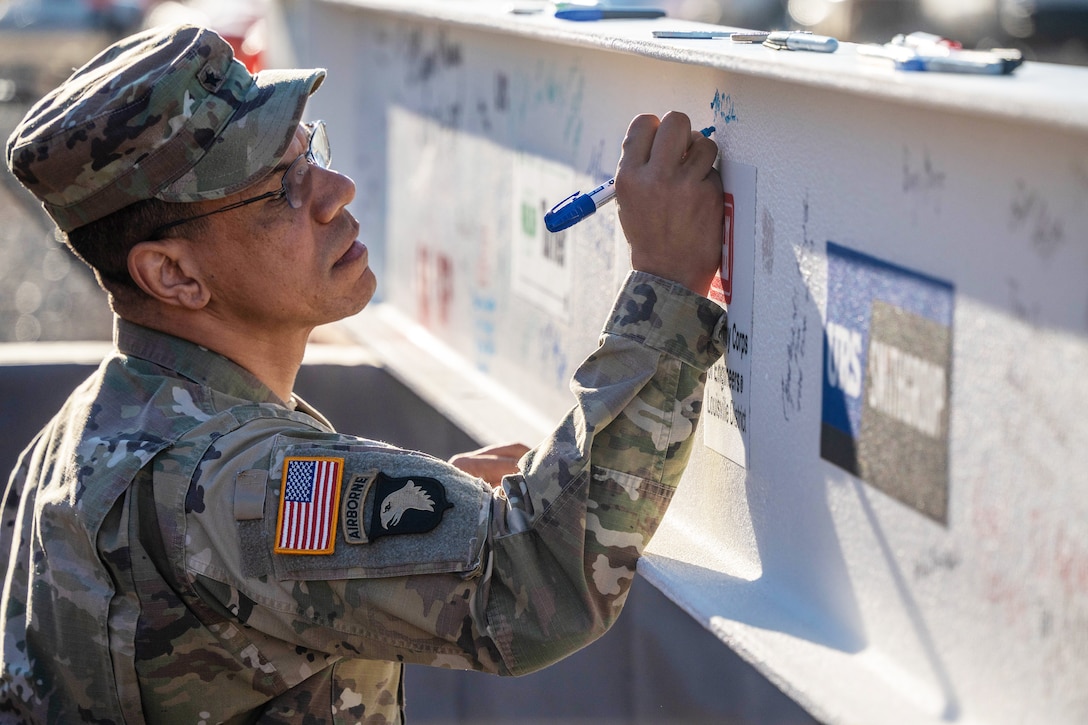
309 502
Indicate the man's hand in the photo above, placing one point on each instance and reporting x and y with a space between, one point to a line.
670 200
491 463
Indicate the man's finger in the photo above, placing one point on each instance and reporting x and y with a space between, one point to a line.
702 154
672 140
635 150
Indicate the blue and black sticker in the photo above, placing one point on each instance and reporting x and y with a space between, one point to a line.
887 378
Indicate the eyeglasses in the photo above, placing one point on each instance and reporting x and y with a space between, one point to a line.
295 186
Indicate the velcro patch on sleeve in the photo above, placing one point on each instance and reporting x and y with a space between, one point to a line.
400 513
249 489
309 505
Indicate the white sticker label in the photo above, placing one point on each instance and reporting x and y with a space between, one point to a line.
541 262
727 397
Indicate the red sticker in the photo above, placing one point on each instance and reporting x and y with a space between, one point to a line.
721 289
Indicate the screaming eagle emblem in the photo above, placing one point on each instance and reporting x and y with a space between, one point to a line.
408 505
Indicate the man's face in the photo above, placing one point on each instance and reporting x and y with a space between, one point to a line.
277 269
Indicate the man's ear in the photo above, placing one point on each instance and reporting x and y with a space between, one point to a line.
167 271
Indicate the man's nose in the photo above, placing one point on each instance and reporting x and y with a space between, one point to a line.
332 192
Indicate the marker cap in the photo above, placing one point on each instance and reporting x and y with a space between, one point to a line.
568 214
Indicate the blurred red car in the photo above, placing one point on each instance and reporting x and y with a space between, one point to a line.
240 22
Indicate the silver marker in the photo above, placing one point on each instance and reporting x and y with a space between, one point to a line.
792 40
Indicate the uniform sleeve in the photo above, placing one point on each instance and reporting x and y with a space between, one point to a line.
575 522
427 565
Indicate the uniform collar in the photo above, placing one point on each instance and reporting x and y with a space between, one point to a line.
189 360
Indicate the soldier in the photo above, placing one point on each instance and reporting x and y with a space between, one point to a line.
188 541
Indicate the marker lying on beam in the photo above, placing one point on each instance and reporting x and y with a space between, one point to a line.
590 13
578 206
801 40
693 34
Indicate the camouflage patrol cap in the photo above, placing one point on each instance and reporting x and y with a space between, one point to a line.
168 113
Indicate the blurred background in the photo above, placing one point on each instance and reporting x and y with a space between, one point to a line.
1054 31
47 295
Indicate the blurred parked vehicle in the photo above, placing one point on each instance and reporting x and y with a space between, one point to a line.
1041 20
1046 30
1050 30
240 22
42 41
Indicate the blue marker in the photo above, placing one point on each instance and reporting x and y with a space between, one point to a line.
592 12
578 206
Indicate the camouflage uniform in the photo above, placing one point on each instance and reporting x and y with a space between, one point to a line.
183 546
151 578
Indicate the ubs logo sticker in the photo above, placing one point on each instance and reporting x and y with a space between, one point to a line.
887 378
